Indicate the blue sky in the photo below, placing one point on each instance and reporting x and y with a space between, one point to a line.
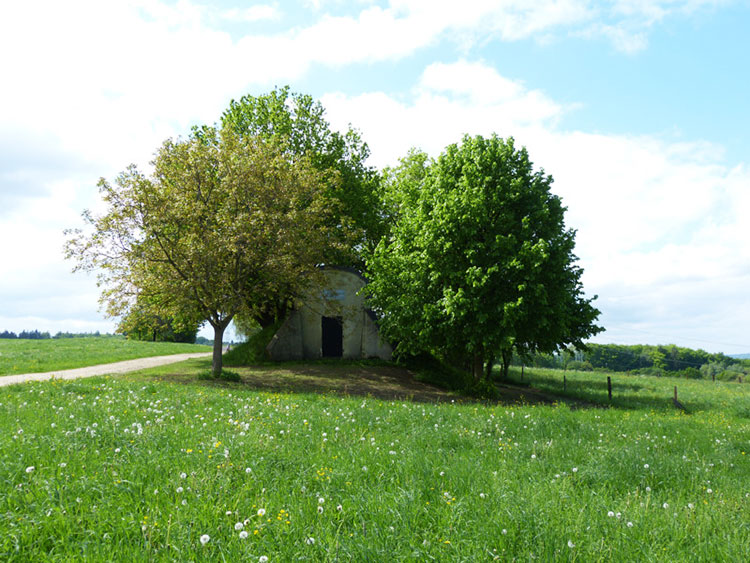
637 108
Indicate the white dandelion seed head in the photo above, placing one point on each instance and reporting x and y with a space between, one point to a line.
180 489
320 510
645 466
691 506
665 505
630 524
611 514
263 559
648 489
243 534
183 475
571 545
261 512
321 500
238 526
248 470
482 495
575 470
205 538
339 508
310 541
505 531
709 491
30 469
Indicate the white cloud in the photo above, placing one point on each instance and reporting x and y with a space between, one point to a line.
661 233
258 12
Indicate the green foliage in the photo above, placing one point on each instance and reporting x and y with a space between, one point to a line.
144 322
478 261
224 223
297 123
253 351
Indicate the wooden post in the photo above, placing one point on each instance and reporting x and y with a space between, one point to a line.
675 393
565 383
713 377
609 387
522 366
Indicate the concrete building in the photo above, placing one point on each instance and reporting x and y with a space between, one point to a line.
332 322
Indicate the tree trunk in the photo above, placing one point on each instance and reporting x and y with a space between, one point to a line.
488 371
507 357
216 362
477 367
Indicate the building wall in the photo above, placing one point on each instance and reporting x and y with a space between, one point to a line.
300 336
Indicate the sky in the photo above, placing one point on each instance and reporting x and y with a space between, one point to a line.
637 108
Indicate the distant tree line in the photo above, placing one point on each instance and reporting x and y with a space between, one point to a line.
669 360
38 335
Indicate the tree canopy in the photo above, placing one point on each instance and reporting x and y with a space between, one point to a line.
478 261
296 123
224 222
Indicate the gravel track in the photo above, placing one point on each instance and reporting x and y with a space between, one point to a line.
102 369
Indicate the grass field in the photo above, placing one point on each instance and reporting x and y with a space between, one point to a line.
143 468
35 356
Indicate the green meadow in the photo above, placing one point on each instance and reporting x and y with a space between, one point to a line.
164 466
35 356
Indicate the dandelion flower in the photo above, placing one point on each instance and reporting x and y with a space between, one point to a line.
183 475
180 489
310 541
339 508
482 495
691 506
243 534
321 500
263 559
248 470
320 510
205 538
630 524
261 512
610 514
575 470
505 531
645 466
30 469
238 526
665 505
571 545
648 489
709 491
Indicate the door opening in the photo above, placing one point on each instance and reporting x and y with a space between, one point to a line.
332 337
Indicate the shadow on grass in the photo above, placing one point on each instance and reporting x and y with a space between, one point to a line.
368 378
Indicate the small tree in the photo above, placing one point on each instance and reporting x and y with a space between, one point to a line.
479 261
223 222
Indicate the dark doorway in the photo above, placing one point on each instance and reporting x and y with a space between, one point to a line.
333 337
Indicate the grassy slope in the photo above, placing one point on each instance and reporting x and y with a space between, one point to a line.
414 481
34 356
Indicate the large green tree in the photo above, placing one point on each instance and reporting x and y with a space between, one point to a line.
222 223
479 261
296 123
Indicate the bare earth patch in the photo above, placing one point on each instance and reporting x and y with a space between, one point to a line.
381 382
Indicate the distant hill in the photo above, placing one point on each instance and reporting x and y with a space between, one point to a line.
740 356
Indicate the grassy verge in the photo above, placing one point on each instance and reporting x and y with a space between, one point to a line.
35 356
139 468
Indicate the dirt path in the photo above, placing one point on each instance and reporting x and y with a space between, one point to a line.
103 369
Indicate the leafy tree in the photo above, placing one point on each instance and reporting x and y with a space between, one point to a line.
297 123
479 261
144 321
220 225
6 334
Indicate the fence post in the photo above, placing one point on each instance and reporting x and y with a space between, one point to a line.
675 394
522 366
609 387
565 383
